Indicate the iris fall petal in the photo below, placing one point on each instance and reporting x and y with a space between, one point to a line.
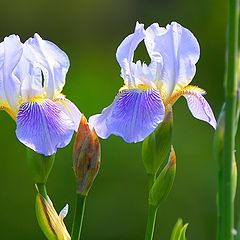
43 126
133 115
198 106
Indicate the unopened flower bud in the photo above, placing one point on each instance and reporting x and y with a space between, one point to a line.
86 157
163 183
179 231
49 221
156 147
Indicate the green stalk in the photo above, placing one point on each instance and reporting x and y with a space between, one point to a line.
42 189
152 212
78 217
227 211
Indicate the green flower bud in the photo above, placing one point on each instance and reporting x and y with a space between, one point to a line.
164 181
157 145
86 157
49 221
40 166
179 231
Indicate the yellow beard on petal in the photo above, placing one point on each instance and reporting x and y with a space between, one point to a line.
185 90
36 99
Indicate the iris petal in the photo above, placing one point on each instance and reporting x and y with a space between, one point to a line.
52 61
198 105
9 83
126 50
69 109
133 115
176 51
43 127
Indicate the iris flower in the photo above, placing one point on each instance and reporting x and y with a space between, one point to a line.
32 76
139 107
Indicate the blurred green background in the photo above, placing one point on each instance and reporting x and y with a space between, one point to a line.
89 32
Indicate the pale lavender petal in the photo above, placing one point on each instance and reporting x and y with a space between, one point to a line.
30 74
52 61
43 127
176 50
133 115
69 109
199 107
10 83
2 91
126 50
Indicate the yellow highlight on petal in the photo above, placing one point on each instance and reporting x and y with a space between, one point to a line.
36 99
140 87
7 109
143 86
186 90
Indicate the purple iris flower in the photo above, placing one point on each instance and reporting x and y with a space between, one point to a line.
139 107
32 76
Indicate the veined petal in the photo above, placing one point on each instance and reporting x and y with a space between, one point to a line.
133 115
43 126
69 109
52 61
126 50
9 83
198 105
176 50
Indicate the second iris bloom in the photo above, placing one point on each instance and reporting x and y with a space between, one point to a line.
139 107
32 76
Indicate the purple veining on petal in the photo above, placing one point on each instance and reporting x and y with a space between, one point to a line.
133 115
43 127
200 108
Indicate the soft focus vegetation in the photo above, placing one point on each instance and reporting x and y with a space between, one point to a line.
89 32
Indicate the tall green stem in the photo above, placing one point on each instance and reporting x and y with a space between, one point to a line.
152 212
227 214
78 217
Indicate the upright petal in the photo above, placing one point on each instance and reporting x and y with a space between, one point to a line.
43 126
10 84
69 109
126 50
53 63
133 115
198 105
176 50
30 74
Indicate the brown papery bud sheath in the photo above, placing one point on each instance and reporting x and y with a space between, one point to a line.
86 157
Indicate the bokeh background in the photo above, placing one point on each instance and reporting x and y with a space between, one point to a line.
90 32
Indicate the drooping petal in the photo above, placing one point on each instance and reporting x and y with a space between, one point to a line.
198 105
53 63
43 126
125 53
69 109
133 115
176 50
9 83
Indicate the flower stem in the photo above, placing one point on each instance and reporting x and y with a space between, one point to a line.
78 217
226 221
152 212
42 189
